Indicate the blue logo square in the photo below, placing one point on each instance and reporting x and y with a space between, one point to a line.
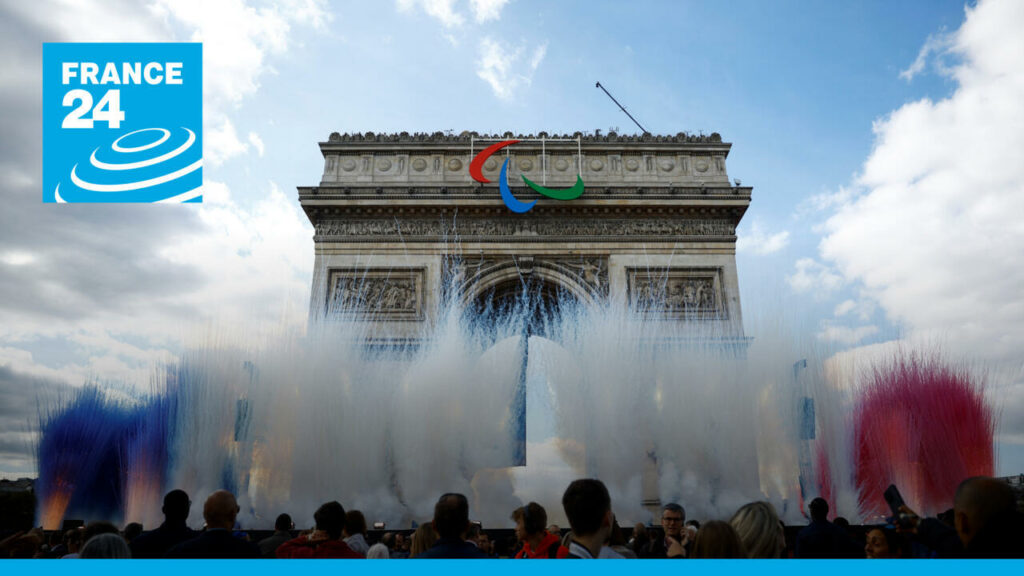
122 122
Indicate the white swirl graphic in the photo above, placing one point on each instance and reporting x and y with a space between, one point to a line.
118 148
143 163
85 178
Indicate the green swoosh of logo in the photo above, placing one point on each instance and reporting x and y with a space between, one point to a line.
562 194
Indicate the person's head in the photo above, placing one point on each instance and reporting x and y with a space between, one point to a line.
132 530
978 502
555 529
73 540
330 518
451 516
717 539
422 540
378 551
759 529
530 520
588 507
220 510
355 523
97 528
283 523
176 506
106 545
388 539
819 510
672 518
484 542
842 522
640 533
883 543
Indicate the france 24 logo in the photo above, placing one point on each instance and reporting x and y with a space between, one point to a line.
122 122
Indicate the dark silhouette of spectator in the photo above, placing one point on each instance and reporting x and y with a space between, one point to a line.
987 524
108 545
73 542
422 540
537 541
675 538
718 540
823 539
355 532
96 528
451 522
220 511
282 533
759 529
884 543
173 531
641 538
617 543
324 542
485 544
394 543
589 509
132 531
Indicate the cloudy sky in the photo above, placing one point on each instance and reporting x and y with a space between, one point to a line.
883 141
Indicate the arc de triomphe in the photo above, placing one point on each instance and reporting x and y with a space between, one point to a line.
396 216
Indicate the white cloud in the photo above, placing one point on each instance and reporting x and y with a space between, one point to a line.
441 10
937 45
256 142
504 68
485 10
812 276
934 232
845 334
759 241
221 142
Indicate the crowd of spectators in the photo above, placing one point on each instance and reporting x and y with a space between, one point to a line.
984 522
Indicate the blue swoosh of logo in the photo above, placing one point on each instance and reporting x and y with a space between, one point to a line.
506 194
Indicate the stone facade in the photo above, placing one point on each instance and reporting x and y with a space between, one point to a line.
398 220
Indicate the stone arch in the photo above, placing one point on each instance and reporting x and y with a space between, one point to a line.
509 273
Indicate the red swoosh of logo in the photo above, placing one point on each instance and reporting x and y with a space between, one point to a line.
477 164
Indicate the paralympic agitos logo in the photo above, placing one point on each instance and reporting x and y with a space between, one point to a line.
511 201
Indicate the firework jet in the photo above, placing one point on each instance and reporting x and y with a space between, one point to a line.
924 426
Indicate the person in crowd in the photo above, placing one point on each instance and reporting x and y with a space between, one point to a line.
378 551
394 543
759 529
675 538
220 511
986 523
537 541
403 543
617 544
589 508
73 542
451 522
884 543
485 544
555 529
640 539
108 545
323 542
132 531
823 539
718 540
422 540
355 531
173 530
283 526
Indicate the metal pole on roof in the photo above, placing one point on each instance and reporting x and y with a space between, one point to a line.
621 107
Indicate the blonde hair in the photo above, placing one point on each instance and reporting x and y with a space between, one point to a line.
758 527
422 540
